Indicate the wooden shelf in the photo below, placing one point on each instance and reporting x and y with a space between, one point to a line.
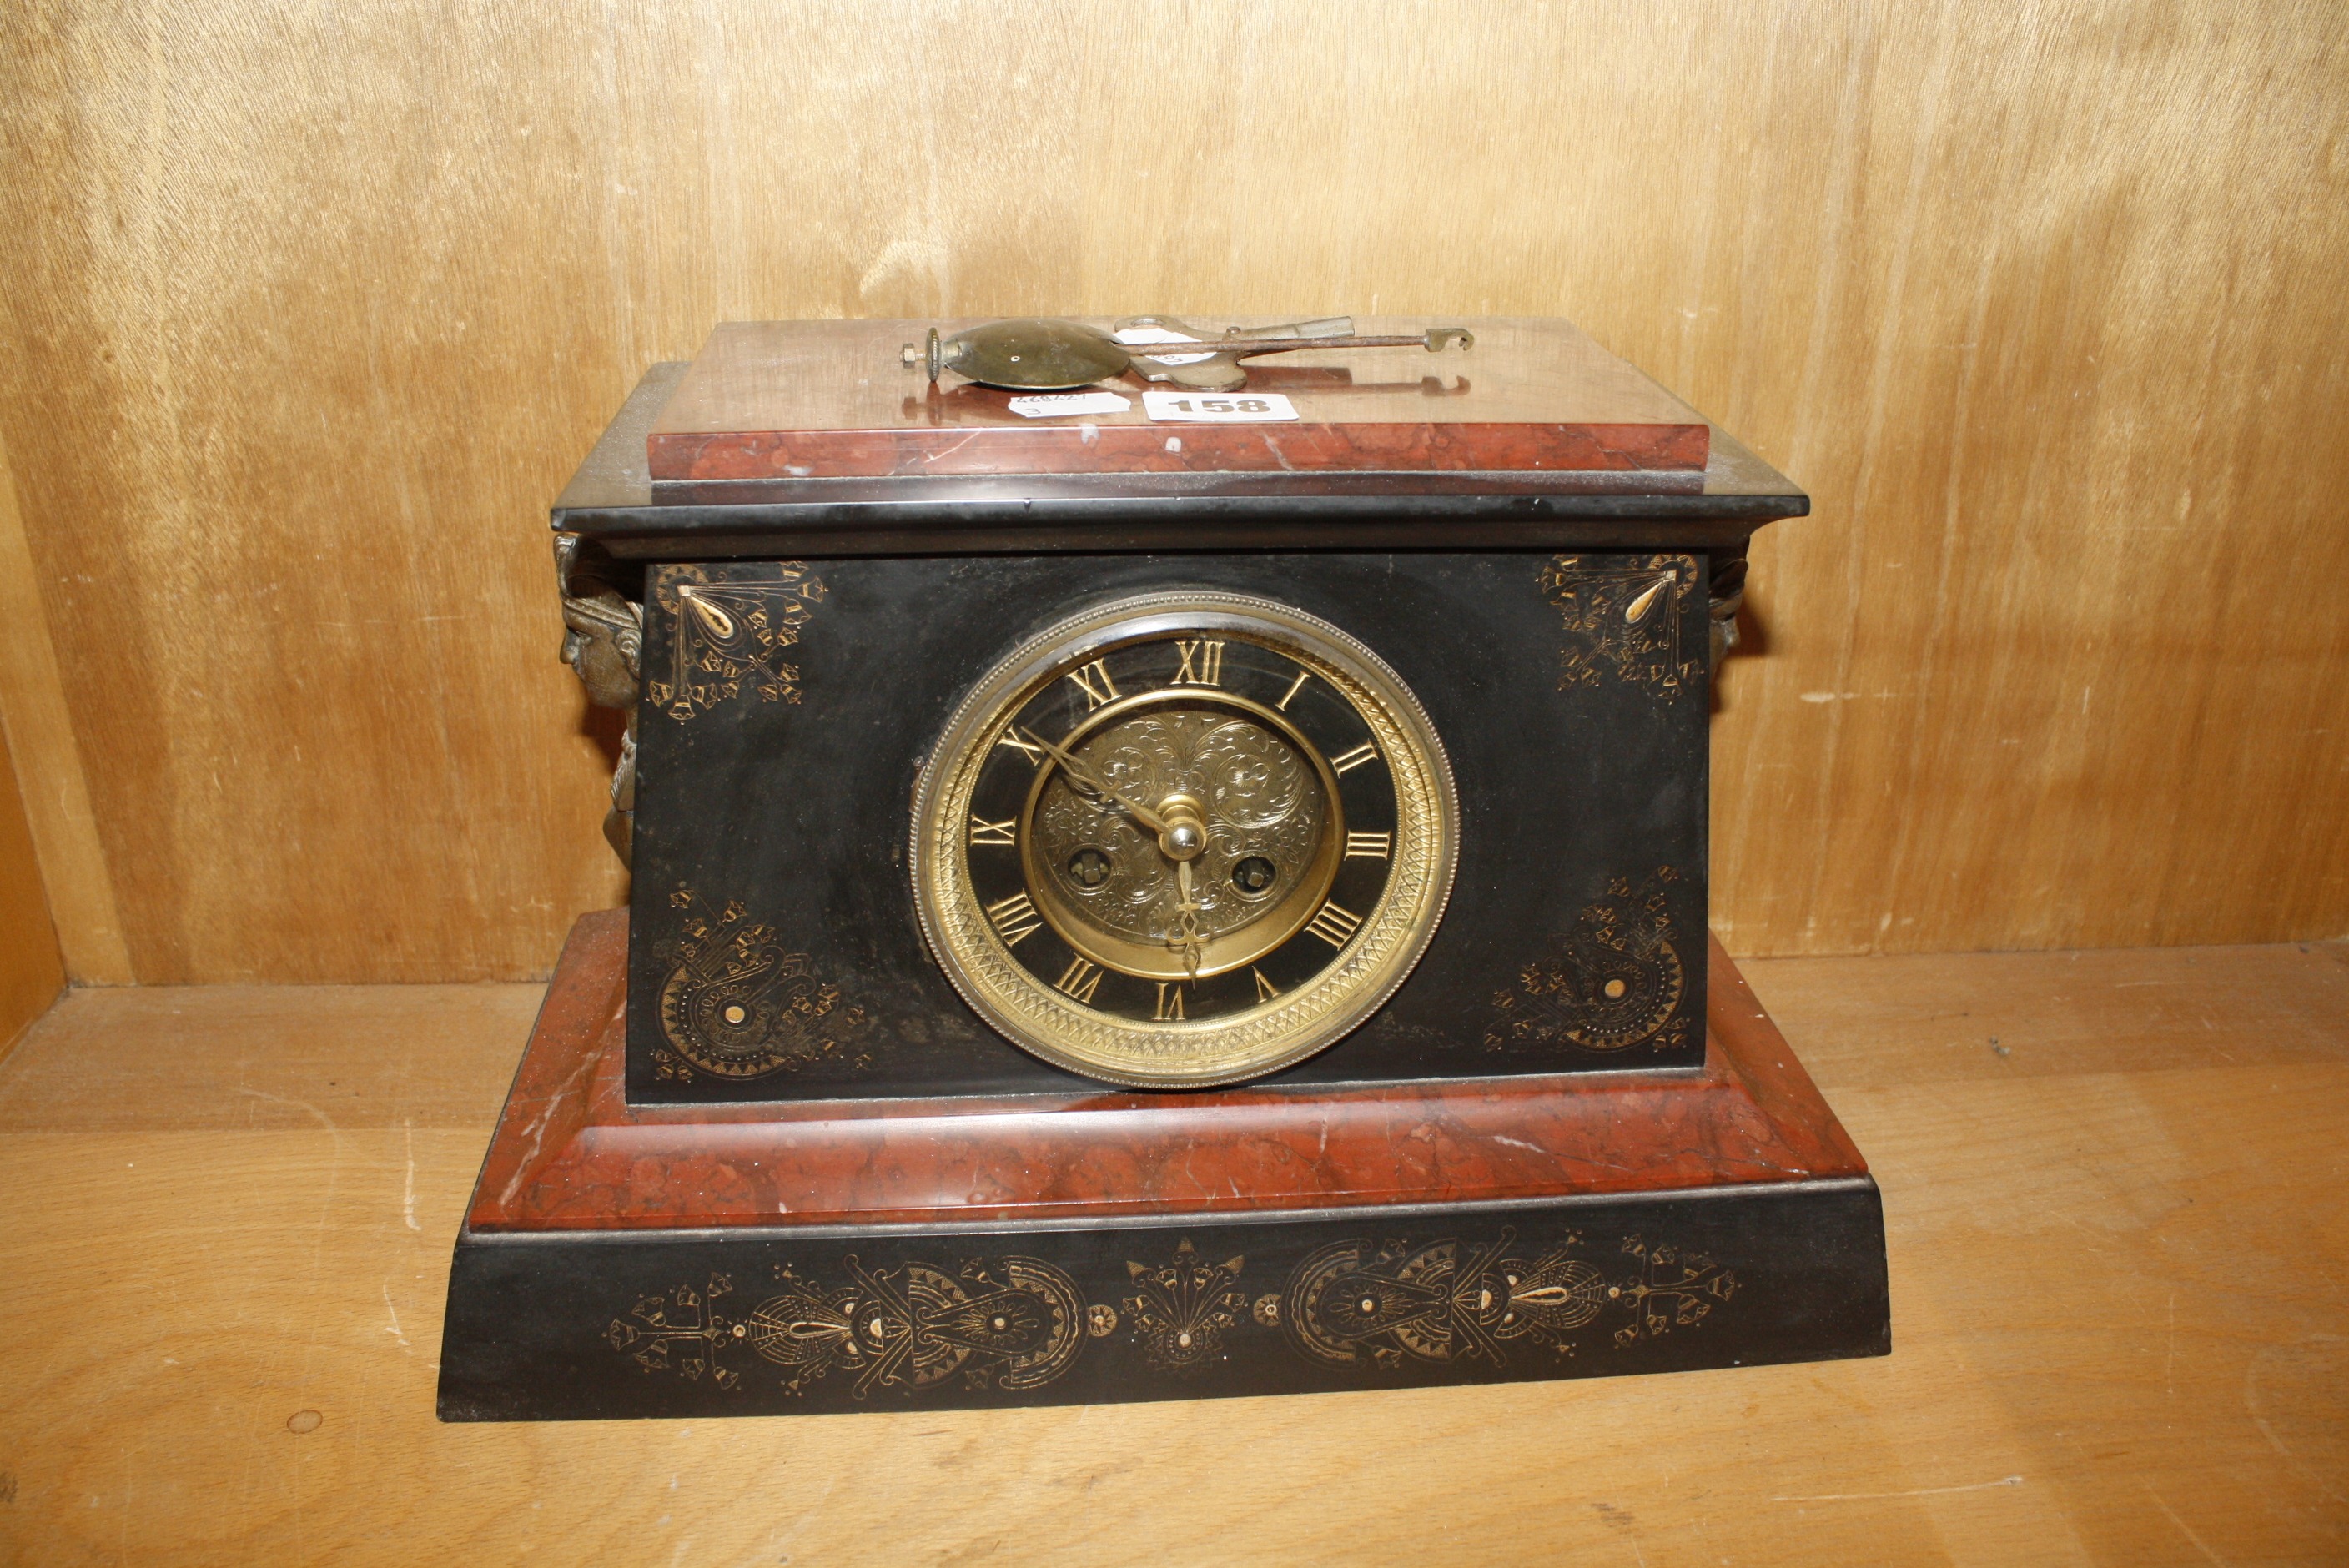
2121 1330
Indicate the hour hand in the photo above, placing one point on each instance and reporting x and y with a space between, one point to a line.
1084 779
1187 909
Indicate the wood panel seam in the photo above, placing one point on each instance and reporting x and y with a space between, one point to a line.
42 747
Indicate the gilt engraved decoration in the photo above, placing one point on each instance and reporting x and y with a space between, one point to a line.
1181 1310
1009 1323
1356 1307
1615 981
1262 797
1669 1288
1622 619
1388 1303
737 1006
730 634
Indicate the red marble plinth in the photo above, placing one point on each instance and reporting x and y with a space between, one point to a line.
781 401
570 1153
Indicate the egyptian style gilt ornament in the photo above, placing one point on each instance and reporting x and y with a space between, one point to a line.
602 639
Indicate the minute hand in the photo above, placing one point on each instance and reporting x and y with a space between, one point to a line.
1080 776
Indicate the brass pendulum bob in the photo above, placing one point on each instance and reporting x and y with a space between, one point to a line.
1040 354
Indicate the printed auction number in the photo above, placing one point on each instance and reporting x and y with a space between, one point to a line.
1254 408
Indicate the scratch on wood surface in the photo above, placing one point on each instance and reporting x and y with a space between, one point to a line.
2199 1544
408 1195
2169 1362
1919 1492
302 1105
392 1328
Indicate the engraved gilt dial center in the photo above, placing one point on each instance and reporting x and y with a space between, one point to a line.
1181 833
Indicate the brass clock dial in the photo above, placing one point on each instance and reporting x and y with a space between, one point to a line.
1183 839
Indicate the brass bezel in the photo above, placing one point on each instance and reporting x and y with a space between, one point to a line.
1198 1053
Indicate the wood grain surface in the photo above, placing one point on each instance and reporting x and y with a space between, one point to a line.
31 969
2120 1292
62 852
307 310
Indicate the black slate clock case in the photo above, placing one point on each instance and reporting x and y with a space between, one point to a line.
801 648
789 707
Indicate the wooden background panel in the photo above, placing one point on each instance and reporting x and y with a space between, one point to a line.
310 309
31 968
31 972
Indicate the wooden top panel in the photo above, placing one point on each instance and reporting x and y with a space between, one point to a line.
831 399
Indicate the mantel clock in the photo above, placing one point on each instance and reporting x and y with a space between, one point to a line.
1139 895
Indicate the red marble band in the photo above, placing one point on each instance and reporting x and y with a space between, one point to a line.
571 1154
